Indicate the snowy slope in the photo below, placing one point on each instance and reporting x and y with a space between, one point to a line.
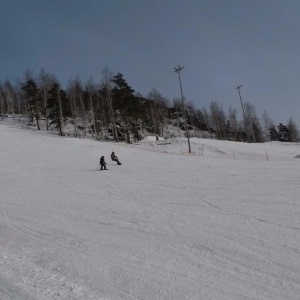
164 225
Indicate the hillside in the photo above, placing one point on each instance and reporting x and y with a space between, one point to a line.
220 223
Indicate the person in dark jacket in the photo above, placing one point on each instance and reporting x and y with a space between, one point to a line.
115 158
102 163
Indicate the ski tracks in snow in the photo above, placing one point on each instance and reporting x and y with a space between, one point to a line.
42 272
48 275
9 291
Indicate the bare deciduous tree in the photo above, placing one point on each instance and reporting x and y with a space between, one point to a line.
293 131
71 91
233 121
1 101
267 124
253 124
158 110
91 94
218 119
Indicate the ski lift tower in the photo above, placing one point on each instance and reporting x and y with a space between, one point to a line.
177 70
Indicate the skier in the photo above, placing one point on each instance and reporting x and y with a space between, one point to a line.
102 163
115 158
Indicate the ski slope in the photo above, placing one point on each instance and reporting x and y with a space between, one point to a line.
221 223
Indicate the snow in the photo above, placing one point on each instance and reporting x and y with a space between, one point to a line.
220 223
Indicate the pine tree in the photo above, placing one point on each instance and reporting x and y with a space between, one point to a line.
283 133
273 133
58 107
122 91
124 100
33 101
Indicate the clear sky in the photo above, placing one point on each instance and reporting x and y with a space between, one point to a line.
220 43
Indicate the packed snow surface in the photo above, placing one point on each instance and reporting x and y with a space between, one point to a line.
220 223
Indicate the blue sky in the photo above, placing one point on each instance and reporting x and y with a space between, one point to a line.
220 43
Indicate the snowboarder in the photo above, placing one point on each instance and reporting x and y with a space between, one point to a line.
102 163
115 158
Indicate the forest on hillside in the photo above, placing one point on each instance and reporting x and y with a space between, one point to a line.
112 110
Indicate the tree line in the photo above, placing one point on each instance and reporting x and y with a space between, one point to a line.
111 109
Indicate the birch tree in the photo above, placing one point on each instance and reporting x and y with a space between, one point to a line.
78 104
1 102
8 90
79 96
107 94
91 94
45 81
